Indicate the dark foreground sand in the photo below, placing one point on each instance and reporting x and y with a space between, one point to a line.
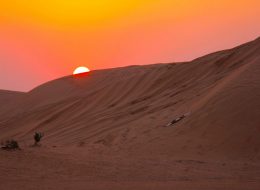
42 169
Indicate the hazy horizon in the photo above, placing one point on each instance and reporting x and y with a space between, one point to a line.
123 66
45 40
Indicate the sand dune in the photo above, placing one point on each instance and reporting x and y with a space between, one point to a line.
120 114
8 101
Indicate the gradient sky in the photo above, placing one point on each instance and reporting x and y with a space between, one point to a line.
41 40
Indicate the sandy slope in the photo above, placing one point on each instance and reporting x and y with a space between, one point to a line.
108 126
8 101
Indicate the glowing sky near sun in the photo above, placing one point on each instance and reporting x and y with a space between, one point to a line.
45 39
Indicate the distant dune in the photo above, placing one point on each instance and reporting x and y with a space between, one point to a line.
6 96
124 111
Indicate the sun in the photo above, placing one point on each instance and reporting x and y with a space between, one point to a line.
80 70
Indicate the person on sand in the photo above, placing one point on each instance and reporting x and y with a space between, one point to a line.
37 138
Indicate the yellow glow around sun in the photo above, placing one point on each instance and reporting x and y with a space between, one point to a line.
80 70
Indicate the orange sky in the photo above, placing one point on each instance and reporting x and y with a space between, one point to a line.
46 39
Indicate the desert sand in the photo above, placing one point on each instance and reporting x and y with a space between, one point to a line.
107 129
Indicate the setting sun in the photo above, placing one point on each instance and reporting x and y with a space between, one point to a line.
80 70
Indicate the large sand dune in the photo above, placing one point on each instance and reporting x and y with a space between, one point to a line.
113 121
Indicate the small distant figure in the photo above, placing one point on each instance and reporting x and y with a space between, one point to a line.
177 119
37 138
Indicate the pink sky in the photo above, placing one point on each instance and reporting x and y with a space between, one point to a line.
43 40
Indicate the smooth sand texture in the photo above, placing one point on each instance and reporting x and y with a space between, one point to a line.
106 130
